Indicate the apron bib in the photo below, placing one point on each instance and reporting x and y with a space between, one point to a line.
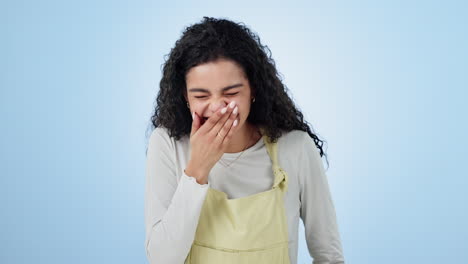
251 229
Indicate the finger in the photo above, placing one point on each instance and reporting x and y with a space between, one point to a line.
217 129
212 121
195 123
227 124
232 129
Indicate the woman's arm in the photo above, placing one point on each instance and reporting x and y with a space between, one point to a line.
317 209
172 209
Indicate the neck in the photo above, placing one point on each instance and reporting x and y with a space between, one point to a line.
246 137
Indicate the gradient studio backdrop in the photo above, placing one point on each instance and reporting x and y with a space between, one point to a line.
383 83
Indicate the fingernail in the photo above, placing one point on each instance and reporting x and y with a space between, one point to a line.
223 110
235 123
193 115
235 111
232 104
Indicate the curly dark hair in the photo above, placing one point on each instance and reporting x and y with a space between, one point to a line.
208 41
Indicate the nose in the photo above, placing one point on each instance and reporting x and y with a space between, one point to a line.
215 106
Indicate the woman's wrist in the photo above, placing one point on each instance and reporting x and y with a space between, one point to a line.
200 175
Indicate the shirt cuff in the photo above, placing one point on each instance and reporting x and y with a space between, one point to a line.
192 181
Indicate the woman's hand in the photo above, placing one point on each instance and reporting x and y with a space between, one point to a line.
207 146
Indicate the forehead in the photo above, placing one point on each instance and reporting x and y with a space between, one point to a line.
214 74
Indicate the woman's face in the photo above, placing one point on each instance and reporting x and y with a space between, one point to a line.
214 85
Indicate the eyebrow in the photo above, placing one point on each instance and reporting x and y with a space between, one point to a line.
224 89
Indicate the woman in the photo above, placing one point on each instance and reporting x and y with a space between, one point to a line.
231 164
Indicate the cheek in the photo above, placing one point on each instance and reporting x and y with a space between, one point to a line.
196 107
243 112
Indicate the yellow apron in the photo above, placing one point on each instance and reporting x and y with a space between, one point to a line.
251 229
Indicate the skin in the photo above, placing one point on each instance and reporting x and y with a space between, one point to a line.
211 78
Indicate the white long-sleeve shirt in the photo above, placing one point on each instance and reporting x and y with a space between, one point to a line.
173 200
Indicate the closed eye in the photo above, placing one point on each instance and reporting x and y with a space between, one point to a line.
226 94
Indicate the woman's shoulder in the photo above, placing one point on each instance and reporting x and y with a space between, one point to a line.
160 138
295 137
165 133
159 133
296 141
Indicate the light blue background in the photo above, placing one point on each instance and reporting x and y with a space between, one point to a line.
383 83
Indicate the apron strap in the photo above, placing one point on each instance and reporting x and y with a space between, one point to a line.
280 175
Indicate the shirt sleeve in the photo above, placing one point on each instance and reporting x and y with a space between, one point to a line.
317 208
172 208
